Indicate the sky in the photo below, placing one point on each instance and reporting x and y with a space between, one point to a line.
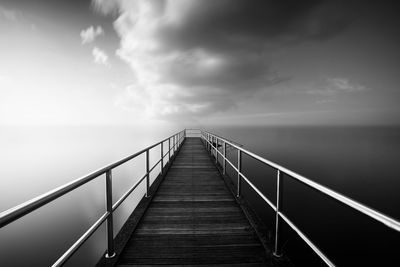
192 62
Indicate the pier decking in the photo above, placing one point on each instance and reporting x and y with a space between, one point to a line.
193 219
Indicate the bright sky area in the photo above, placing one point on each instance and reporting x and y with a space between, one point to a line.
199 62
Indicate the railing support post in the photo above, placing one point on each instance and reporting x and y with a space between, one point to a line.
209 143
174 146
224 162
206 140
147 173
169 149
109 226
239 178
162 157
279 187
213 144
216 150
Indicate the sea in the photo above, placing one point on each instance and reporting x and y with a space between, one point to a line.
361 162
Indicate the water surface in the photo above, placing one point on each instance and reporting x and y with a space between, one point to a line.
360 162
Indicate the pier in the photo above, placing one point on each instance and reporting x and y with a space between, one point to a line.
193 214
193 219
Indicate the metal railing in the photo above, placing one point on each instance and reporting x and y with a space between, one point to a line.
19 211
213 141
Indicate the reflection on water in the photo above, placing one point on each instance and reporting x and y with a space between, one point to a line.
360 162
37 159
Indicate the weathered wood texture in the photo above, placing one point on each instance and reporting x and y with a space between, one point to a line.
193 219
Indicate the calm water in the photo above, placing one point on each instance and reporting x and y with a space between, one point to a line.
35 160
360 162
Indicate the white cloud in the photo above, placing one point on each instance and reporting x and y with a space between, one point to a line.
90 34
8 14
105 7
100 57
335 86
164 101
344 85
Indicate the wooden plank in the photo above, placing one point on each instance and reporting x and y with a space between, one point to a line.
193 219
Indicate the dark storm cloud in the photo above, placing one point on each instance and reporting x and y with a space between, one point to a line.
217 52
252 24
236 70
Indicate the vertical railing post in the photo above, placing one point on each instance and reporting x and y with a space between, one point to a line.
147 173
224 162
162 157
279 186
109 226
174 145
169 149
239 178
206 140
216 150
210 143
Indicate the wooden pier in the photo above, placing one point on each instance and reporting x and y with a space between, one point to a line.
192 219
191 214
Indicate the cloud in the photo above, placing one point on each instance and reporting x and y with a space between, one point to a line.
90 34
335 86
105 7
100 57
9 14
199 57
344 85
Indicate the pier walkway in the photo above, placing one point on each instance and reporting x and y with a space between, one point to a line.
193 219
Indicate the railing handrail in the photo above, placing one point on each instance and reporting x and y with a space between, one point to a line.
370 212
26 207
14 213
385 219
